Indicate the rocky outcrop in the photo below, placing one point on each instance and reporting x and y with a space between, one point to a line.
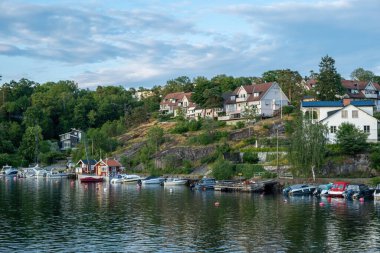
178 154
352 164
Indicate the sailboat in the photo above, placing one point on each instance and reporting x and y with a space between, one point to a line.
89 178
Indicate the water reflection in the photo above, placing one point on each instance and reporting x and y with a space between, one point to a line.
70 216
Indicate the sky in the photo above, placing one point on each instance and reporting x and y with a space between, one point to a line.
136 43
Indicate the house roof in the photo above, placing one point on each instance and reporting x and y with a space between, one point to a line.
336 103
92 161
110 162
337 111
360 85
254 88
177 96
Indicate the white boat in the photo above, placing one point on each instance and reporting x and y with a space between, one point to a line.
35 171
132 178
376 193
175 181
56 174
9 170
119 179
153 180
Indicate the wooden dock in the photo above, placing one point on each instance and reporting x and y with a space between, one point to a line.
246 186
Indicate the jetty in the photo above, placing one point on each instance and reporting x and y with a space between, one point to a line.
246 186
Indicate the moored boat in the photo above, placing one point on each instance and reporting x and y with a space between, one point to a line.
323 189
376 193
56 174
9 170
337 189
153 180
357 191
174 181
299 189
205 184
91 179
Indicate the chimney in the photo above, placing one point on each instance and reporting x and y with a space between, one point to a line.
346 101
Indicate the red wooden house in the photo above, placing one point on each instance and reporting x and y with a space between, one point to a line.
107 167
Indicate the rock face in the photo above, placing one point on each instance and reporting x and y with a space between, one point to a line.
358 163
182 153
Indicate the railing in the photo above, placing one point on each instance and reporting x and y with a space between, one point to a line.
286 176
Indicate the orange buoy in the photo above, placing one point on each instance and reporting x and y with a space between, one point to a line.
216 203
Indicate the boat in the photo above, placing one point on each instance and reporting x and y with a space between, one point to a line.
153 180
338 188
205 184
174 181
9 170
323 189
299 189
131 178
357 191
90 179
376 193
119 179
54 173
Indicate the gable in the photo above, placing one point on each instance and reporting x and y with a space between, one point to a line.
337 115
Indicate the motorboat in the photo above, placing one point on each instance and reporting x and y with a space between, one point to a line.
357 191
376 193
9 170
337 189
153 180
323 189
91 179
119 179
54 173
174 181
205 184
299 189
132 178
35 171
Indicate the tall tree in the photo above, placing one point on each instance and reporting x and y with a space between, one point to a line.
362 75
329 86
206 95
31 140
307 146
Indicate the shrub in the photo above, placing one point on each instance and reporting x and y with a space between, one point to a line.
222 169
375 181
239 125
248 170
249 157
288 109
194 125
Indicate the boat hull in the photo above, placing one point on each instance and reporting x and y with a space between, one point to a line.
91 179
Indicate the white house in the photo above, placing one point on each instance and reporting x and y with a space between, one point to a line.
265 98
334 113
174 101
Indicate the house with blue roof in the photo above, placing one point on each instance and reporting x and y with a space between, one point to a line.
334 113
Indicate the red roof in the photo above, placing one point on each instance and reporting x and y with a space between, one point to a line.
110 162
360 85
255 88
176 96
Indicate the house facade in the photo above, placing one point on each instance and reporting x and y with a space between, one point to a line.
173 102
362 90
85 166
262 99
107 167
70 139
334 113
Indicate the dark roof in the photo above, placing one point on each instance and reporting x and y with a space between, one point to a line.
336 103
92 161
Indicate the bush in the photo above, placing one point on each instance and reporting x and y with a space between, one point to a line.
248 170
375 181
194 125
249 157
239 125
288 109
180 128
222 169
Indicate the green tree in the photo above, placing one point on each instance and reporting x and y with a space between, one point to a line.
374 159
206 95
29 148
307 147
350 139
362 75
155 137
329 85
222 169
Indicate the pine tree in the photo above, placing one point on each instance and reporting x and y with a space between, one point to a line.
329 80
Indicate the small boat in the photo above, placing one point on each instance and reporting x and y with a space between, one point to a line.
153 180
337 189
56 174
174 181
90 179
119 179
131 178
9 170
323 189
357 191
205 184
299 189
376 193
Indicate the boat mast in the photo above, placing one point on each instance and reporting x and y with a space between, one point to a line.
85 150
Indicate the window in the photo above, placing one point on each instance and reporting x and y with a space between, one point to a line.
344 114
355 114
333 129
366 129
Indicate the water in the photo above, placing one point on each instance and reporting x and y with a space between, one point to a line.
53 215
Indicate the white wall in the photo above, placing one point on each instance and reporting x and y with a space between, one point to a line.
363 120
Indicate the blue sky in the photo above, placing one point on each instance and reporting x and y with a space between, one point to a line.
144 43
